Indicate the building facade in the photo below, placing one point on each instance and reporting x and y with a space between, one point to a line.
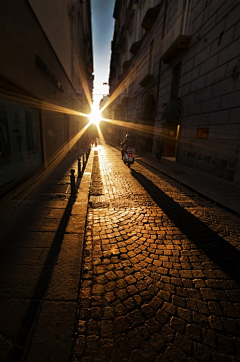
175 75
42 98
67 25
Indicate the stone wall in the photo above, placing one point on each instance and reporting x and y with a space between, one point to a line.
210 90
33 79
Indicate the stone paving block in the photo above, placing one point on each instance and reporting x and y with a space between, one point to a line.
23 282
65 277
53 337
158 283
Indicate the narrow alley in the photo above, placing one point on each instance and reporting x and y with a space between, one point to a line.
135 267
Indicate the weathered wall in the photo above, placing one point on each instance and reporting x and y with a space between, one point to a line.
210 90
201 78
32 78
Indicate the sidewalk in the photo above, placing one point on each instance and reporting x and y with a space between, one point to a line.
42 237
224 193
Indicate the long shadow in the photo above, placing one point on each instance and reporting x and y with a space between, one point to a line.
216 248
24 333
26 329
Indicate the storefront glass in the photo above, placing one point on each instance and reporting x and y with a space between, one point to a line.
20 151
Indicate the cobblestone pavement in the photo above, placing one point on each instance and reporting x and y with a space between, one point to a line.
161 275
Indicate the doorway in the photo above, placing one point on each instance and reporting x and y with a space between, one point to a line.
148 119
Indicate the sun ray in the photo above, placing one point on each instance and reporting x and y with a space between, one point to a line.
39 104
134 126
84 84
128 79
101 137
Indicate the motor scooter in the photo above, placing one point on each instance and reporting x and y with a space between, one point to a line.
128 157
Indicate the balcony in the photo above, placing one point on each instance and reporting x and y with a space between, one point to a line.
135 47
146 80
150 17
127 64
179 45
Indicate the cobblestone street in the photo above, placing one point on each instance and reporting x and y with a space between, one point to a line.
161 270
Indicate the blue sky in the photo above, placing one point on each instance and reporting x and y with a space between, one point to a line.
102 28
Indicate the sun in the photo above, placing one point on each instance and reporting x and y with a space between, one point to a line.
95 116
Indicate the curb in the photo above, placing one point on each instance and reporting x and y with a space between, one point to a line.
53 336
209 198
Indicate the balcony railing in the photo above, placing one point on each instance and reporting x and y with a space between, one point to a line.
135 47
127 64
150 17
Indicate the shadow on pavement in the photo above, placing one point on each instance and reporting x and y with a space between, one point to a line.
216 248
26 329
